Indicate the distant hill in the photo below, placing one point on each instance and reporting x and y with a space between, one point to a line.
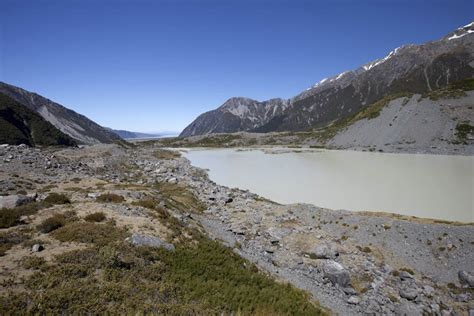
130 135
410 69
77 126
20 125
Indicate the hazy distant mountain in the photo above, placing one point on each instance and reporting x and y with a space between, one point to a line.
130 135
20 125
69 122
407 69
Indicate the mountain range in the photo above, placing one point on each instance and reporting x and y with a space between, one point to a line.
407 69
68 122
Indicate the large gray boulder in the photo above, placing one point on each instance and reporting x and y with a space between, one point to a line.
150 241
11 201
408 293
325 251
466 278
336 273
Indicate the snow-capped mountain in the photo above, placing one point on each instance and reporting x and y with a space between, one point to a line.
406 69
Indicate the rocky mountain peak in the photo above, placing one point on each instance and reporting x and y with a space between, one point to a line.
461 32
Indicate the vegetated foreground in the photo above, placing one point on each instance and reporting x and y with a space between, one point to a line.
101 237
127 230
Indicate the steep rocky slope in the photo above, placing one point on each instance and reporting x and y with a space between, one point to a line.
407 69
20 125
414 123
236 114
67 121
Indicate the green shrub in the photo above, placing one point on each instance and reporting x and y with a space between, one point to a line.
110 198
100 234
202 278
10 216
166 154
52 223
56 198
464 129
95 217
11 238
33 262
146 203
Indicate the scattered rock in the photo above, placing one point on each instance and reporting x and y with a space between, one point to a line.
325 251
408 293
11 201
349 291
151 241
336 273
428 290
466 278
405 276
37 248
353 300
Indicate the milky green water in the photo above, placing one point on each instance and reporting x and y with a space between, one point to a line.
429 186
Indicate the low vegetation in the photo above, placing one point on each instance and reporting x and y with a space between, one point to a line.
10 217
166 154
33 262
52 223
463 130
92 233
455 90
201 277
56 198
179 197
95 217
215 140
110 198
9 239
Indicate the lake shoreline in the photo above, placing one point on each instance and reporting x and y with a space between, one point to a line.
432 184
301 243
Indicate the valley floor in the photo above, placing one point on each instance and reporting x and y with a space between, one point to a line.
351 263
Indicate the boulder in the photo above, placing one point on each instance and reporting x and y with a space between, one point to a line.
37 248
353 300
325 251
408 293
336 273
466 278
11 201
405 276
150 241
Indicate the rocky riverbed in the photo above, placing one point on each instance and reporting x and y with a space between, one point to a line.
352 263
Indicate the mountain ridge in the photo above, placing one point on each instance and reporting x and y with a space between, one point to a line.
412 68
21 125
71 123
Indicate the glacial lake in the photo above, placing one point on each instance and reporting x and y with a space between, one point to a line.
428 186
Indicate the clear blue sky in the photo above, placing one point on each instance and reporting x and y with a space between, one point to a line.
155 65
